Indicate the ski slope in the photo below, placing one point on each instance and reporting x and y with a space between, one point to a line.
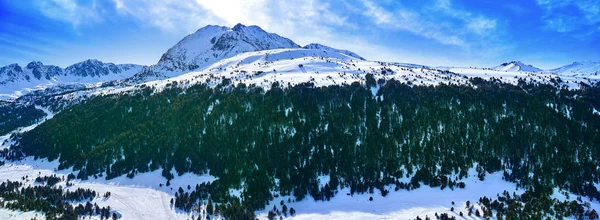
137 198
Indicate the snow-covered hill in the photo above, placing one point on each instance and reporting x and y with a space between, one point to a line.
320 67
516 66
326 48
16 80
583 69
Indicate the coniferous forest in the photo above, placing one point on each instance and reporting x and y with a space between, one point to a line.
279 141
53 202
13 116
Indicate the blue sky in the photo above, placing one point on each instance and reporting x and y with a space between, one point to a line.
544 33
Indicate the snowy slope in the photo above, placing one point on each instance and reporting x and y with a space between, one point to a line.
326 48
295 66
401 204
516 66
320 67
583 69
142 197
137 198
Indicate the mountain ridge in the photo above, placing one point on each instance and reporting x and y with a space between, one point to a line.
16 80
579 68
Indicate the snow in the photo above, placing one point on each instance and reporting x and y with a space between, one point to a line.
137 198
402 204
581 69
567 196
7 214
142 198
323 47
516 66
323 179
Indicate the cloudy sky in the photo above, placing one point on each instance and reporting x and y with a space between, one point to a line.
544 33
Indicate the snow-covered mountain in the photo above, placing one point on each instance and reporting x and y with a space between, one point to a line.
584 69
213 43
41 71
16 80
95 68
516 66
326 48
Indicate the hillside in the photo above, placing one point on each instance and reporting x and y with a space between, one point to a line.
239 123
582 69
286 138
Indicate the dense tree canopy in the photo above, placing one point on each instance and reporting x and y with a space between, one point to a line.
283 139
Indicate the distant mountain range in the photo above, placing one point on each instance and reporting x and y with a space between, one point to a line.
16 80
574 69
88 69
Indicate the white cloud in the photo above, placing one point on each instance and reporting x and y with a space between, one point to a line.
570 15
440 22
378 14
69 11
288 18
176 16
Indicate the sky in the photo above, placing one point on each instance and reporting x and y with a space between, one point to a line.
483 33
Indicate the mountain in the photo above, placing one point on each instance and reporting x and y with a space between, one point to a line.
578 69
516 66
35 75
95 68
41 71
212 43
326 48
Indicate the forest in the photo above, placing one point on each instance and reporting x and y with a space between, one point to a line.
280 141
53 202
13 116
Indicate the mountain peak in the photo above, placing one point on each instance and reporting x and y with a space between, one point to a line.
516 66
238 27
212 43
34 64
